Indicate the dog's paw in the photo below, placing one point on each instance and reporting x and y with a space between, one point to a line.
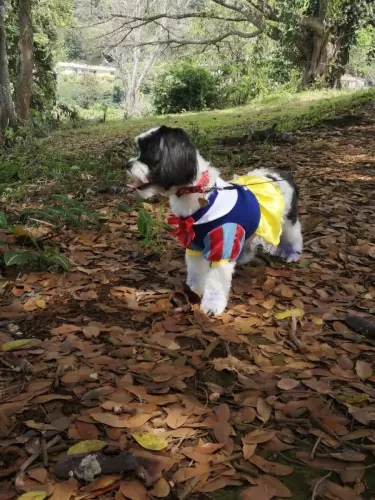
288 253
213 303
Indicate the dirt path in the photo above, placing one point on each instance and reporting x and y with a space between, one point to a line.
254 401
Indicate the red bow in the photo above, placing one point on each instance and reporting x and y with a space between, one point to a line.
184 232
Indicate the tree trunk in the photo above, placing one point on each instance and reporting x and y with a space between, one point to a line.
7 113
25 77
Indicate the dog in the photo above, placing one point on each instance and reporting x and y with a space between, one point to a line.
219 223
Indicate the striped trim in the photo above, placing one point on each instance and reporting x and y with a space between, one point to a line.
220 262
193 253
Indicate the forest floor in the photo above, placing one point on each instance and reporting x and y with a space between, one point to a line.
274 399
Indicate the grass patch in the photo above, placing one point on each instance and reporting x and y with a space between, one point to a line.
75 160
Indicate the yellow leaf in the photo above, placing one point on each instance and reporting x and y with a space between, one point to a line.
86 447
19 344
41 303
317 321
20 231
356 398
33 495
150 441
291 313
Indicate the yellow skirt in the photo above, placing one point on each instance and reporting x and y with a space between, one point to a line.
272 205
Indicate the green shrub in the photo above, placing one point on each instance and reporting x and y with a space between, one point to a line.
184 87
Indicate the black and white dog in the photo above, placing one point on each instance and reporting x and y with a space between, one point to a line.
219 223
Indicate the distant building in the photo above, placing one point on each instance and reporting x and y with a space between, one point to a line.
69 68
353 82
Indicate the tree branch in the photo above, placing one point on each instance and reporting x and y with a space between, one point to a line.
312 23
265 9
177 17
209 41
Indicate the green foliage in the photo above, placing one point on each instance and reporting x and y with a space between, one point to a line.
39 256
184 87
362 56
151 230
67 211
49 16
86 91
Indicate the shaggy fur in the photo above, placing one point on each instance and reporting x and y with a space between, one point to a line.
167 161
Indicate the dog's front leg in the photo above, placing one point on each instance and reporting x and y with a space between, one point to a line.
216 289
197 270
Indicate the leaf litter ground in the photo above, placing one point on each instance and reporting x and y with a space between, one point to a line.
112 372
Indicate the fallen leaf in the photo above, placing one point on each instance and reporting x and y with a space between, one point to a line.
87 431
349 456
91 331
65 329
133 490
16 345
175 418
110 419
258 493
161 489
291 313
150 441
264 410
208 448
286 384
363 369
39 474
258 436
231 363
281 491
33 495
39 426
271 467
86 447
248 450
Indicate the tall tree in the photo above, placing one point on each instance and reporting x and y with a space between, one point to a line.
7 112
26 50
319 30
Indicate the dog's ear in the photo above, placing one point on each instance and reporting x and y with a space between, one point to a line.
178 163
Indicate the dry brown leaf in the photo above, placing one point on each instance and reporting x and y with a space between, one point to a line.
233 364
208 448
175 418
281 491
63 491
222 413
222 431
111 420
65 329
248 450
363 369
87 431
286 384
264 410
219 484
133 490
271 467
39 474
258 493
258 436
91 331
161 489
39 426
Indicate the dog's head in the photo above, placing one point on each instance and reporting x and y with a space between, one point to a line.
166 160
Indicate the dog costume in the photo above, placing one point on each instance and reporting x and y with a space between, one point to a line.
247 206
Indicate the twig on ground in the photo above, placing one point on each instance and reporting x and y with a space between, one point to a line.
293 336
321 480
36 455
315 447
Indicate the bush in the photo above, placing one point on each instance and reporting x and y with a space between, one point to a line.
184 87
